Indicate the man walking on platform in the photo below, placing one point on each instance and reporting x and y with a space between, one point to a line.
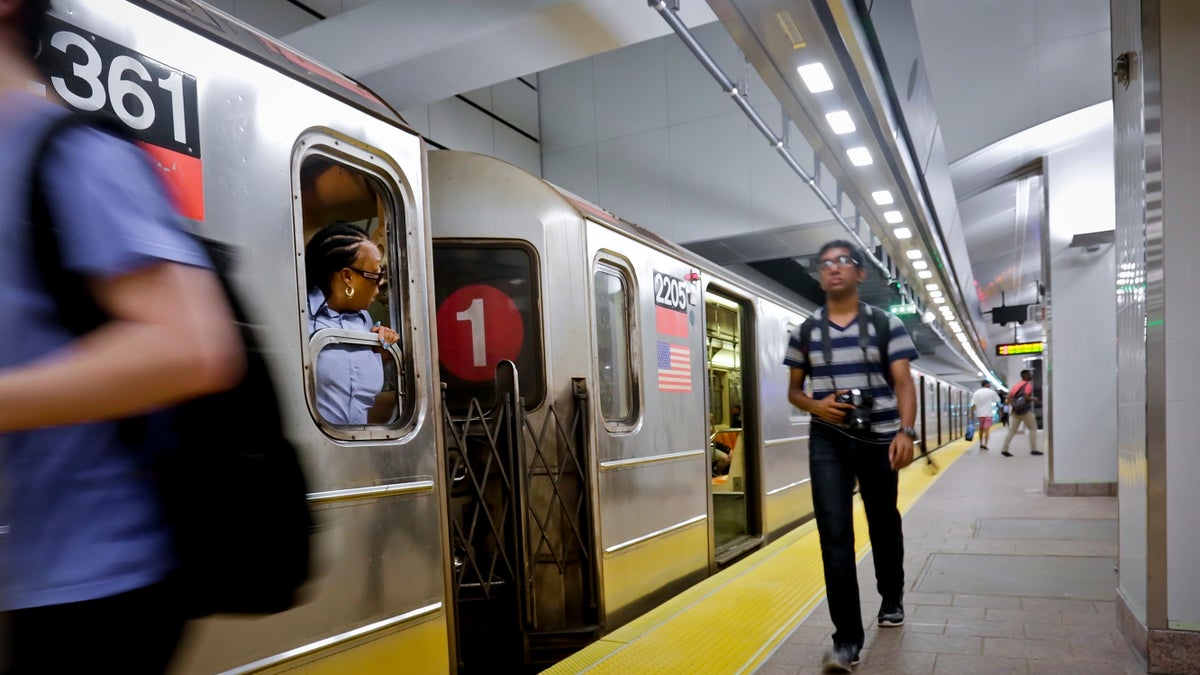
1021 399
983 407
862 429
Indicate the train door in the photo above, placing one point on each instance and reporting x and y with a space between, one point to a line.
735 504
520 512
937 412
921 416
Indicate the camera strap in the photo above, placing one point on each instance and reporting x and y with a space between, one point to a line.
863 341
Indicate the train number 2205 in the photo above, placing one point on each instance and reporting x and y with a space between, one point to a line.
670 292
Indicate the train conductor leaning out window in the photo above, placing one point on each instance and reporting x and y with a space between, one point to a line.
862 428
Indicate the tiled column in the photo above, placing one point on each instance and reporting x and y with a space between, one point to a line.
1157 122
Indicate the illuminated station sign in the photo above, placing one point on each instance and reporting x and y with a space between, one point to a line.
1020 348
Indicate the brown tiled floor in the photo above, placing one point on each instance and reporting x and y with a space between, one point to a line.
1031 629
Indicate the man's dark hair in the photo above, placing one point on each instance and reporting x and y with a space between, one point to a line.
985 383
1026 374
842 243
33 23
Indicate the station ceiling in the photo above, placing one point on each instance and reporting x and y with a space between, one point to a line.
998 72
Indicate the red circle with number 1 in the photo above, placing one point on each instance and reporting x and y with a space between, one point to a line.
478 326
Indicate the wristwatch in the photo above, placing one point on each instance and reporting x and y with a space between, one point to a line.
912 433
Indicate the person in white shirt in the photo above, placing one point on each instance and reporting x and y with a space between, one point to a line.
983 406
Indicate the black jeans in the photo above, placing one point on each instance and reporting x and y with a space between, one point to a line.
834 461
135 632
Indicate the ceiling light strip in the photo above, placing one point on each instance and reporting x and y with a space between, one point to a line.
727 85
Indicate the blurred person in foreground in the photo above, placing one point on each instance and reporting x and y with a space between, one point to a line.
86 563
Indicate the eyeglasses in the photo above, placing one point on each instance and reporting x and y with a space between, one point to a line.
378 277
830 263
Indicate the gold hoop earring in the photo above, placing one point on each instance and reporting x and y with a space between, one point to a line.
349 291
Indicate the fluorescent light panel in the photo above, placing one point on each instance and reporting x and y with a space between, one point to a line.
902 233
920 265
859 156
913 254
893 217
815 77
840 122
925 274
882 197
931 287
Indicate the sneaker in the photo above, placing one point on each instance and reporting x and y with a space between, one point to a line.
983 447
891 614
1037 452
840 659
1006 453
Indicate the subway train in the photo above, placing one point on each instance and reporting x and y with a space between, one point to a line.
554 451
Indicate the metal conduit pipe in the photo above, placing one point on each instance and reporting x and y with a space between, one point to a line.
727 85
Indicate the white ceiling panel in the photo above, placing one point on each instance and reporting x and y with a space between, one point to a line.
1060 19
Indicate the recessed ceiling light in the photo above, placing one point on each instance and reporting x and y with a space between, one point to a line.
935 294
955 327
931 287
925 274
920 265
815 77
859 156
902 233
893 217
913 254
929 317
939 301
882 198
840 122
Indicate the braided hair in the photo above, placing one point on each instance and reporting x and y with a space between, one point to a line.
334 247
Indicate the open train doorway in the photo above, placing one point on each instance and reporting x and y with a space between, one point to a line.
734 506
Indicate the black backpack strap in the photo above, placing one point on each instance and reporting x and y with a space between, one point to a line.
805 334
75 307
883 335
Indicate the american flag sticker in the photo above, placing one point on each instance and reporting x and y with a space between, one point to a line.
674 367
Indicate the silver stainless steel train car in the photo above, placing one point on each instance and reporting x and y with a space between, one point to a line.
591 371
553 451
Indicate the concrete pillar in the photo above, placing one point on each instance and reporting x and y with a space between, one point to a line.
1079 381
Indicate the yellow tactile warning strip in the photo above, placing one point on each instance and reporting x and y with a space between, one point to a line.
732 621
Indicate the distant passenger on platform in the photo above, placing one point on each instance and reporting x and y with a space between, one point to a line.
345 271
839 360
735 416
983 407
1021 399
86 562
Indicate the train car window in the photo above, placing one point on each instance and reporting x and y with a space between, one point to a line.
349 262
614 354
488 311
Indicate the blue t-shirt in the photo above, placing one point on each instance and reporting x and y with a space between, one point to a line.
349 377
79 515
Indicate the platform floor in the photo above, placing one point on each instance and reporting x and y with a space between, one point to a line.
1000 579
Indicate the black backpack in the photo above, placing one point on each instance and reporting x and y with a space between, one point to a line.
1020 401
883 334
233 489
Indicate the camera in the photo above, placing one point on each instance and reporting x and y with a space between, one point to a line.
858 419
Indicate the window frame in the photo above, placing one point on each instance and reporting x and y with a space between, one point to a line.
610 263
395 191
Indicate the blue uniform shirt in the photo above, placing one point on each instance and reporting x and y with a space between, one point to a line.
82 514
349 377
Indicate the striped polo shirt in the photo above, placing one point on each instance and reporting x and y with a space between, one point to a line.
849 371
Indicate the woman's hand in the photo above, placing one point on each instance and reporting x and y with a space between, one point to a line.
387 336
